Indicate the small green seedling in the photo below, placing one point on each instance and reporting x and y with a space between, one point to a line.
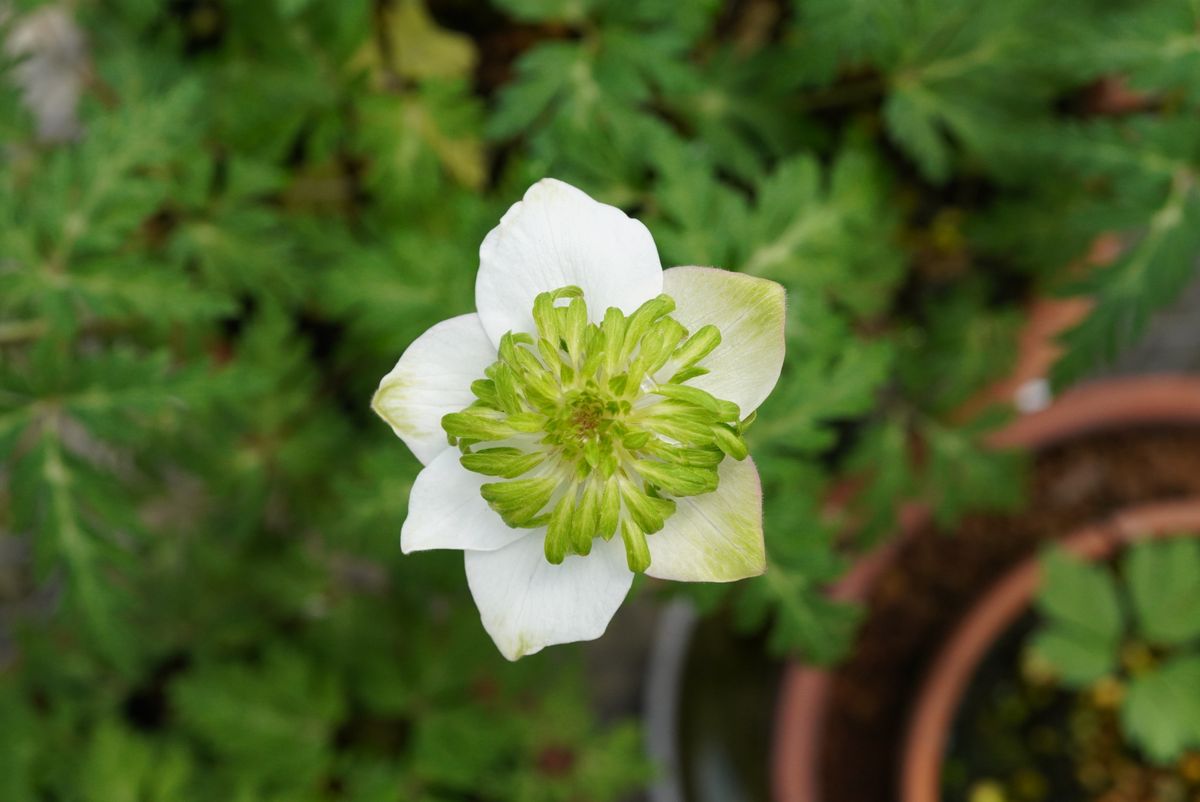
1137 626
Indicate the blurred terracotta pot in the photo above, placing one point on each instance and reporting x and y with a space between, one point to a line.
1107 405
1010 598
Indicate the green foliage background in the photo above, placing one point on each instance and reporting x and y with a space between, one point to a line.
271 198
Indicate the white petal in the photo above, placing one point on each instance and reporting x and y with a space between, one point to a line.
558 236
433 378
445 510
750 313
526 603
716 537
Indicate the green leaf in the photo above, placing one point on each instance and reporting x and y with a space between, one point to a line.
1081 634
804 616
1150 44
118 766
803 420
67 503
21 742
451 749
291 8
1077 659
965 343
601 82
742 109
415 139
963 473
792 595
1083 618
542 10
1161 711
539 85
420 48
271 721
848 33
1164 582
1151 272
1079 595
883 458
911 119
820 232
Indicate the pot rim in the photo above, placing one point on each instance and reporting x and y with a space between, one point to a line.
1095 406
994 614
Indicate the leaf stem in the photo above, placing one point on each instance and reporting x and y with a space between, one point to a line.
21 331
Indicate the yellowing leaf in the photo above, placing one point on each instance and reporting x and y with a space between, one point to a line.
420 49
412 47
411 131
461 156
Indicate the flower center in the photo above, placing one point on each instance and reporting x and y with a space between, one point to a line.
587 418
594 428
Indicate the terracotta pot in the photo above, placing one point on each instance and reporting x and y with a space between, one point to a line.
1106 405
1009 599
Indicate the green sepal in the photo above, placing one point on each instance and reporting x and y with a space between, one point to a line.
640 321
507 463
528 369
637 550
485 391
547 316
634 375
478 424
721 410
730 441
527 422
552 355
659 344
505 387
541 389
595 351
687 374
528 372
586 520
558 532
649 512
575 328
613 328
635 441
689 456
518 501
618 384
610 511
608 465
698 346
679 422
592 454
676 479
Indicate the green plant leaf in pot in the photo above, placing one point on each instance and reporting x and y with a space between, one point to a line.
1161 710
1084 622
1164 585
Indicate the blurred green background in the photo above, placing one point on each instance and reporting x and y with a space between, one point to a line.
221 222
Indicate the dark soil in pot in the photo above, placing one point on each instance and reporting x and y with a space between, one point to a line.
935 577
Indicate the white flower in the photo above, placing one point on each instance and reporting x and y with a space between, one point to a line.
586 423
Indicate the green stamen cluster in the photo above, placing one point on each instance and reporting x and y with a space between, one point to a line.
594 428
